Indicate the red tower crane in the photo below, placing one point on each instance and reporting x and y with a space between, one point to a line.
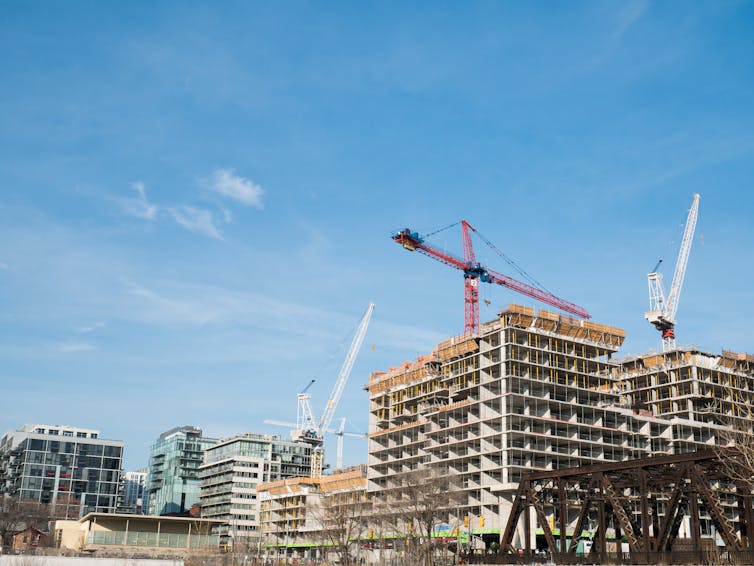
473 272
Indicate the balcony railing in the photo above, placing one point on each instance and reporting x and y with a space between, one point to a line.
162 540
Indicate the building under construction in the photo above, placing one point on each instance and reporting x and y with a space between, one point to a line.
300 516
543 391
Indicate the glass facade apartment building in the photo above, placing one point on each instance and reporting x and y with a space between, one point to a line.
231 473
71 469
134 497
174 460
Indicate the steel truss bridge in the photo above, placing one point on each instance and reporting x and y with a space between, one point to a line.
645 501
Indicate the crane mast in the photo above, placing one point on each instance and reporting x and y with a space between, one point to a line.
662 309
306 424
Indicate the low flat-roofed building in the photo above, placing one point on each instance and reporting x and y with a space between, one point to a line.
101 532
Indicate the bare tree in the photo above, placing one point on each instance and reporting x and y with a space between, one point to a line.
17 514
340 518
735 439
419 501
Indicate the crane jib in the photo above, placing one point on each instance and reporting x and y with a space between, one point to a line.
472 271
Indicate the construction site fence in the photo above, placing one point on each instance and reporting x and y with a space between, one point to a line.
706 557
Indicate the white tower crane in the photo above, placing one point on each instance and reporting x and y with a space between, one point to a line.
340 433
337 391
662 310
307 428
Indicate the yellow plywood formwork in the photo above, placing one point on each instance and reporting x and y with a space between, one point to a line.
736 360
523 317
397 428
456 347
292 485
399 377
516 315
455 405
346 480
738 356
546 320
653 361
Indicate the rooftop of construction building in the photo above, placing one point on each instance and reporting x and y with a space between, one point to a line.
687 355
519 316
347 478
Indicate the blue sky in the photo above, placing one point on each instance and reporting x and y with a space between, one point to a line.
196 198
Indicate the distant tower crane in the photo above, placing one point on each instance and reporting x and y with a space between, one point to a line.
306 424
307 428
340 433
662 310
473 272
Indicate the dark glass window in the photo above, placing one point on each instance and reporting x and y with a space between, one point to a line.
112 451
95 450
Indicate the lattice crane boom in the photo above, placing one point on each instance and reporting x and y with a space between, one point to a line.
683 258
332 404
311 430
538 294
662 308
473 272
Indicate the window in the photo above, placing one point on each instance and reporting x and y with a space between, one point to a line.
67 433
81 435
53 432
94 435
39 430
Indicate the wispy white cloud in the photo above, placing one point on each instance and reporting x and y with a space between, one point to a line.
91 327
618 25
224 182
177 304
198 220
228 184
4 265
73 347
631 13
140 205
170 311
75 344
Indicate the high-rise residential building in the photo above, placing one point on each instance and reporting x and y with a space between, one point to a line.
69 468
174 460
233 469
539 390
134 498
